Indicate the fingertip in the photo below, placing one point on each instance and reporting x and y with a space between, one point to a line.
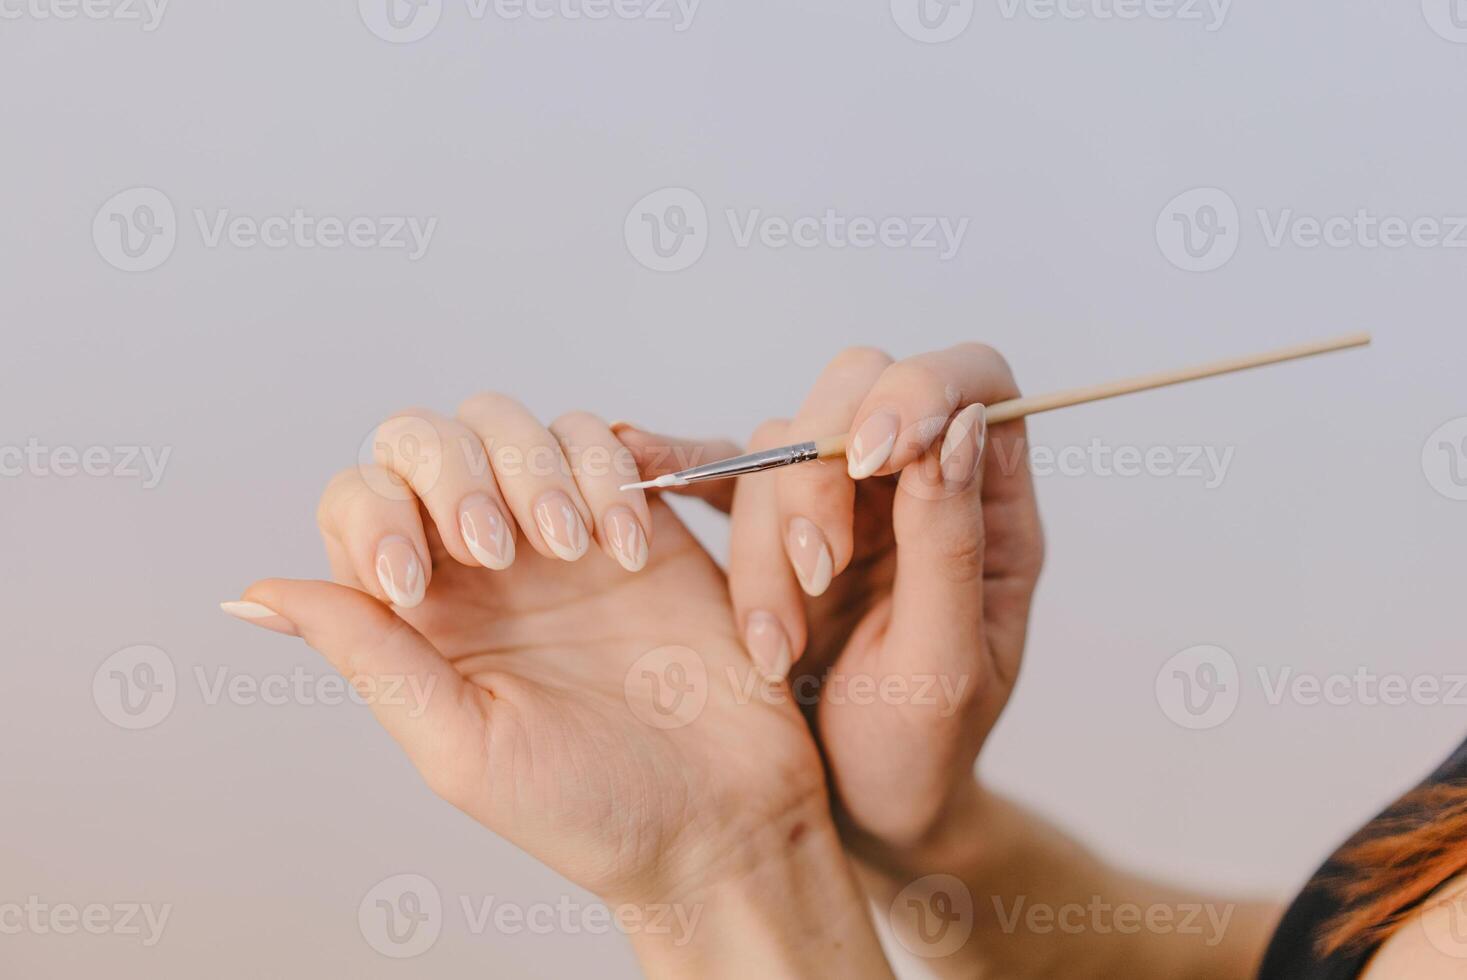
401 571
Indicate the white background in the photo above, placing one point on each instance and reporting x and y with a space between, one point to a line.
1325 549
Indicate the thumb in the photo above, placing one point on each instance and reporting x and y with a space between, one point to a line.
413 691
937 596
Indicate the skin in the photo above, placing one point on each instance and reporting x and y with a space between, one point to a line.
935 577
540 693
537 725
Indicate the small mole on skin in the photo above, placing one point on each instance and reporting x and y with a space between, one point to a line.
797 832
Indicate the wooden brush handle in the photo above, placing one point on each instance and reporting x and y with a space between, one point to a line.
1017 408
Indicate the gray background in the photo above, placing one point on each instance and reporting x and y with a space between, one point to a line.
1326 548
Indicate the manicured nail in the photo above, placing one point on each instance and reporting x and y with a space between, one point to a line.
871 445
400 571
627 539
962 448
810 555
768 645
561 526
619 425
253 612
486 532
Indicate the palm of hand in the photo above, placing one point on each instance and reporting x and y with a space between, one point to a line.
590 741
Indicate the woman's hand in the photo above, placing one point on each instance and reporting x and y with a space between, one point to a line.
580 701
899 584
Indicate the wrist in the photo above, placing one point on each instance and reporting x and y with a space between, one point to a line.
784 903
961 839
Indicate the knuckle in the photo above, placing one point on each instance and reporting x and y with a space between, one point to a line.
486 404
578 420
960 558
338 489
860 359
912 376
990 357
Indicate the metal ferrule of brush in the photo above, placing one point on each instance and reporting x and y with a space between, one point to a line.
752 463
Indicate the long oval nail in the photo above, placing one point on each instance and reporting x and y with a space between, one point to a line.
962 448
768 645
258 615
561 525
486 532
871 446
810 556
400 572
625 536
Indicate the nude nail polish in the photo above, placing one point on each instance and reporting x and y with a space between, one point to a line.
768 645
962 448
486 532
258 615
810 556
561 526
400 572
871 446
627 539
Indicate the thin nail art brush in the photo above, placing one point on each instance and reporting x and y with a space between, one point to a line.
834 446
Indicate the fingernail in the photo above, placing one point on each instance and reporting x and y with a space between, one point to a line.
810 556
962 448
253 612
400 571
627 539
768 645
871 445
619 425
486 532
561 526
